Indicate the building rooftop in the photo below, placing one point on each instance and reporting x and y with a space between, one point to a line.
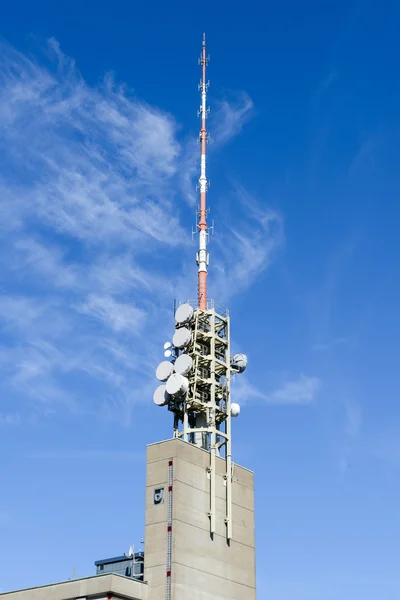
97 586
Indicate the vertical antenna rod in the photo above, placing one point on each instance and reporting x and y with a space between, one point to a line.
202 255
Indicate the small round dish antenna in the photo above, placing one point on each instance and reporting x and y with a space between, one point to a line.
168 353
164 370
184 314
239 362
161 396
181 337
167 345
235 409
183 364
177 385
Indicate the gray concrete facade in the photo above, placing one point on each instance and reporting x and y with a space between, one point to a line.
202 567
99 587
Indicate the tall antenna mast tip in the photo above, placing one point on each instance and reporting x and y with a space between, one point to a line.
202 254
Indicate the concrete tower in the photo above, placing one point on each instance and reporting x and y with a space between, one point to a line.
199 531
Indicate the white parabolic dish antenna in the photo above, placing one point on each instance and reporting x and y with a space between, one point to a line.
177 385
160 396
183 364
164 370
181 337
184 314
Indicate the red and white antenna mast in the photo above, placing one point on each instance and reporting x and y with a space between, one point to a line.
202 255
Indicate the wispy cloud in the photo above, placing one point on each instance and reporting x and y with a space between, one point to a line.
353 419
93 154
10 419
231 116
117 315
321 301
88 200
87 180
352 426
329 345
18 312
300 391
227 121
322 87
249 249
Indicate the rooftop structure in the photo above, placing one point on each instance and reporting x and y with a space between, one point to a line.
98 587
183 561
131 565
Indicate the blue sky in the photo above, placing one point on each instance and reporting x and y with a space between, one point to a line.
98 169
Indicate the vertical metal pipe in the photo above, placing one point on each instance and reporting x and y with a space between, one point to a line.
185 423
228 440
212 424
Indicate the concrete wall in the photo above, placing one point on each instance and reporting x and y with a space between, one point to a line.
202 568
99 587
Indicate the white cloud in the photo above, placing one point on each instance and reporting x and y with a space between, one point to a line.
353 419
247 248
87 183
230 117
9 419
17 312
89 233
92 163
331 344
353 416
118 315
293 392
32 256
301 391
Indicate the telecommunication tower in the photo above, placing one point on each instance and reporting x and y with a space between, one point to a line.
196 377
